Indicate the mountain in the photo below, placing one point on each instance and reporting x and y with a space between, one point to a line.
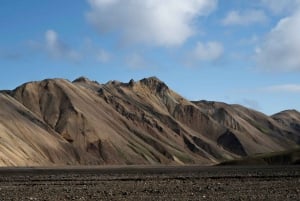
58 122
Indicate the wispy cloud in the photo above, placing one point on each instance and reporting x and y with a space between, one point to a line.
97 53
254 39
205 52
58 49
287 88
10 55
244 18
251 103
281 6
103 56
136 61
151 22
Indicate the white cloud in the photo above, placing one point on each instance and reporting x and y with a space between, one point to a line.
290 88
244 18
152 22
58 49
280 50
281 6
209 51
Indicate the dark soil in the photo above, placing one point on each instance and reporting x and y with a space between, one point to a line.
151 183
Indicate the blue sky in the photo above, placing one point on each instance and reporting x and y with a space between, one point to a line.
235 51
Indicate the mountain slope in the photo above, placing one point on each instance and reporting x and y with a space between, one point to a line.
289 120
27 140
56 122
257 132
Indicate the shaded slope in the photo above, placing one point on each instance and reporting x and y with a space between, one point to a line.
153 104
289 120
256 132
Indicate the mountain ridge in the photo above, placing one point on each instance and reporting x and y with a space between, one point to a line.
139 122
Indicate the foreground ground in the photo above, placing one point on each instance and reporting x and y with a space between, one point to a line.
151 183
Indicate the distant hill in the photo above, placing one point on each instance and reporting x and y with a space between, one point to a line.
290 157
58 122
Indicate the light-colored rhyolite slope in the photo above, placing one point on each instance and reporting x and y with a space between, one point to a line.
57 122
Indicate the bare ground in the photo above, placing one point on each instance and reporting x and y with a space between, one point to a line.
151 183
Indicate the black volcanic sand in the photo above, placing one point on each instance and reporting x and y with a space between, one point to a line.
151 183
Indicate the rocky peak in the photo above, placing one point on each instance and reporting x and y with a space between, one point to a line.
287 112
83 79
155 84
113 83
87 83
131 83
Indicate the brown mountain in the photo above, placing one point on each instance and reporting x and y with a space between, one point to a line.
58 122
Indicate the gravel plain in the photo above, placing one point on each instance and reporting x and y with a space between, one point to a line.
151 183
